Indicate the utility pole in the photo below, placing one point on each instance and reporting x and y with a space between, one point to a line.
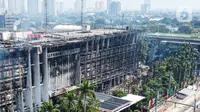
157 99
195 104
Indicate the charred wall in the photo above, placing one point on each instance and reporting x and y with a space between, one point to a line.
29 76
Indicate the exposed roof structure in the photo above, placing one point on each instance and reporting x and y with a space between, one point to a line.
133 98
110 103
63 38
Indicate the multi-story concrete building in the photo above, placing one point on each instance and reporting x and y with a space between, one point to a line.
7 21
31 72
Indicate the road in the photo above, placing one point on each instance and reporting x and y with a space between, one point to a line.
171 107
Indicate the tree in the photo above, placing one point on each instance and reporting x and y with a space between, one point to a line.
48 107
119 93
185 29
67 103
99 23
86 90
166 21
93 105
196 23
136 111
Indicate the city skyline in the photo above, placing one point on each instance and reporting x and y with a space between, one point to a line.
125 5
136 4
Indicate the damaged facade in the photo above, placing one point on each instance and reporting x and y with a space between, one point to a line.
33 71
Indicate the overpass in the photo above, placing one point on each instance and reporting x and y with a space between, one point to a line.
174 38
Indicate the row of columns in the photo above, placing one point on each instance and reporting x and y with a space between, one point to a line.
39 97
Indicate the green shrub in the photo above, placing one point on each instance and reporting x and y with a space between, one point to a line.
119 93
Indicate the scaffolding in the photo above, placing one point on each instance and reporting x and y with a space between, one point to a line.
12 74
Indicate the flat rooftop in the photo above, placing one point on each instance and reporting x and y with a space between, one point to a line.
79 34
53 39
110 103
59 39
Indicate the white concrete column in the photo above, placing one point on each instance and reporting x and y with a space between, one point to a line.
37 78
102 86
29 96
45 96
119 80
97 46
78 70
110 85
108 43
87 45
115 81
103 43
20 102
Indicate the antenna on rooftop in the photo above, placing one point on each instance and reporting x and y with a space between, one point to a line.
46 16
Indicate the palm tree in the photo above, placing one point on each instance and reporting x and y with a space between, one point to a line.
67 103
86 89
48 107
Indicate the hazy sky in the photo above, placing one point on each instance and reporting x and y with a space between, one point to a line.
135 4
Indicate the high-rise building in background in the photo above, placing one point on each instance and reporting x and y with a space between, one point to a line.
33 7
13 6
77 6
61 6
3 4
22 7
42 6
108 5
145 7
99 6
10 6
51 8
115 8
17 6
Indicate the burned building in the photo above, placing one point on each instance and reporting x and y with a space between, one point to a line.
32 71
